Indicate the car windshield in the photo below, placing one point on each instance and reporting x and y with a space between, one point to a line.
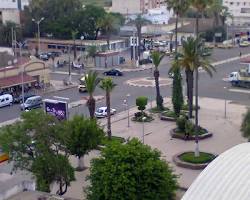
28 101
99 110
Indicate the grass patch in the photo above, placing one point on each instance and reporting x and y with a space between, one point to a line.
169 113
106 141
201 131
203 158
156 110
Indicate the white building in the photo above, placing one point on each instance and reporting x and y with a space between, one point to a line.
240 9
13 4
129 7
158 15
10 10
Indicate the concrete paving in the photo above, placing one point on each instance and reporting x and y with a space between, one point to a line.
226 135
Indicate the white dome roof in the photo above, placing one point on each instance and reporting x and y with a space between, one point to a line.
226 178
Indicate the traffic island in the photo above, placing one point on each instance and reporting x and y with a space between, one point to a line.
203 134
189 161
169 115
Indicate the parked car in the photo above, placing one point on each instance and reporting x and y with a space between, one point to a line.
54 54
44 57
244 44
113 72
76 65
3 156
145 61
6 100
207 52
31 103
102 112
19 99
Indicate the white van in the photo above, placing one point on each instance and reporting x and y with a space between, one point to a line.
6 100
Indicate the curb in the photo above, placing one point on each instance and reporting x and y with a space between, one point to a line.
192 137
188 165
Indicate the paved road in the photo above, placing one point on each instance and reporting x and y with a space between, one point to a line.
208 87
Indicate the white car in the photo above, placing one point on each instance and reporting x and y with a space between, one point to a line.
102 112
75 65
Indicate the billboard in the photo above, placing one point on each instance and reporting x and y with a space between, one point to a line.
59 109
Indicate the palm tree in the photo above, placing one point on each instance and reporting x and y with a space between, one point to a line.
191 59
139 22
108 85
157 58
245 126
187 58
200 6
179 7
91 81
108 25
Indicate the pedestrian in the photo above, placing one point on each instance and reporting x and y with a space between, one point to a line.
240 54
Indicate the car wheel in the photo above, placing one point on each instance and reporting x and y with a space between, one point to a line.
117 74
106 74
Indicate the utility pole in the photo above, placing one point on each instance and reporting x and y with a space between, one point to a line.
69 48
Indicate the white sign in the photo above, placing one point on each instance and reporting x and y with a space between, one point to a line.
134 41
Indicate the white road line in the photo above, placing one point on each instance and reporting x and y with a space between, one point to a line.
240 91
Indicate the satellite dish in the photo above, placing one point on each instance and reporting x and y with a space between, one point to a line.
9 62
15 61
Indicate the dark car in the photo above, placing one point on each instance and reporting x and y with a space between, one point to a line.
206 52
54 54
113 72
145 61
19 98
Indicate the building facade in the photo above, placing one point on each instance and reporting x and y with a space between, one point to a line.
135 6
240 9
13 4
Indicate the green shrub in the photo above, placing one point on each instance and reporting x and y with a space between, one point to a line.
157 110
189 127
181 123
141 102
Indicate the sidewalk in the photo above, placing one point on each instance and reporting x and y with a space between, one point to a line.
226 135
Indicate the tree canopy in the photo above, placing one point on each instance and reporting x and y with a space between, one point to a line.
36 144
130 171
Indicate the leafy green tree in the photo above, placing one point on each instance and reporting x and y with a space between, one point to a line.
83 135
245 126
109 24
91 81
157 58
5 33
130 171
74 34
108 86
141 103
36 144
177 95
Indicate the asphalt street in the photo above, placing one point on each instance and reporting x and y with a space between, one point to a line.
208 87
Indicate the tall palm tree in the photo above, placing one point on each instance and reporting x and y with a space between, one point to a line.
139 22
200 6
179 7
108 25
91 81
191 59
108 85
157 58
187 58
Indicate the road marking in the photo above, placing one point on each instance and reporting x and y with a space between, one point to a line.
240 91
230 60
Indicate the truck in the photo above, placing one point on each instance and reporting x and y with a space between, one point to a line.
240 78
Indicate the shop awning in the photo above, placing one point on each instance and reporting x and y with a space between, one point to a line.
16 80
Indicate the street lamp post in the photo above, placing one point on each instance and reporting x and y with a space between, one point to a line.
82 38
225 105
20 45
143 131
128 95
38 31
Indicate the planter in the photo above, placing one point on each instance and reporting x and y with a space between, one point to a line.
189 165
182 136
